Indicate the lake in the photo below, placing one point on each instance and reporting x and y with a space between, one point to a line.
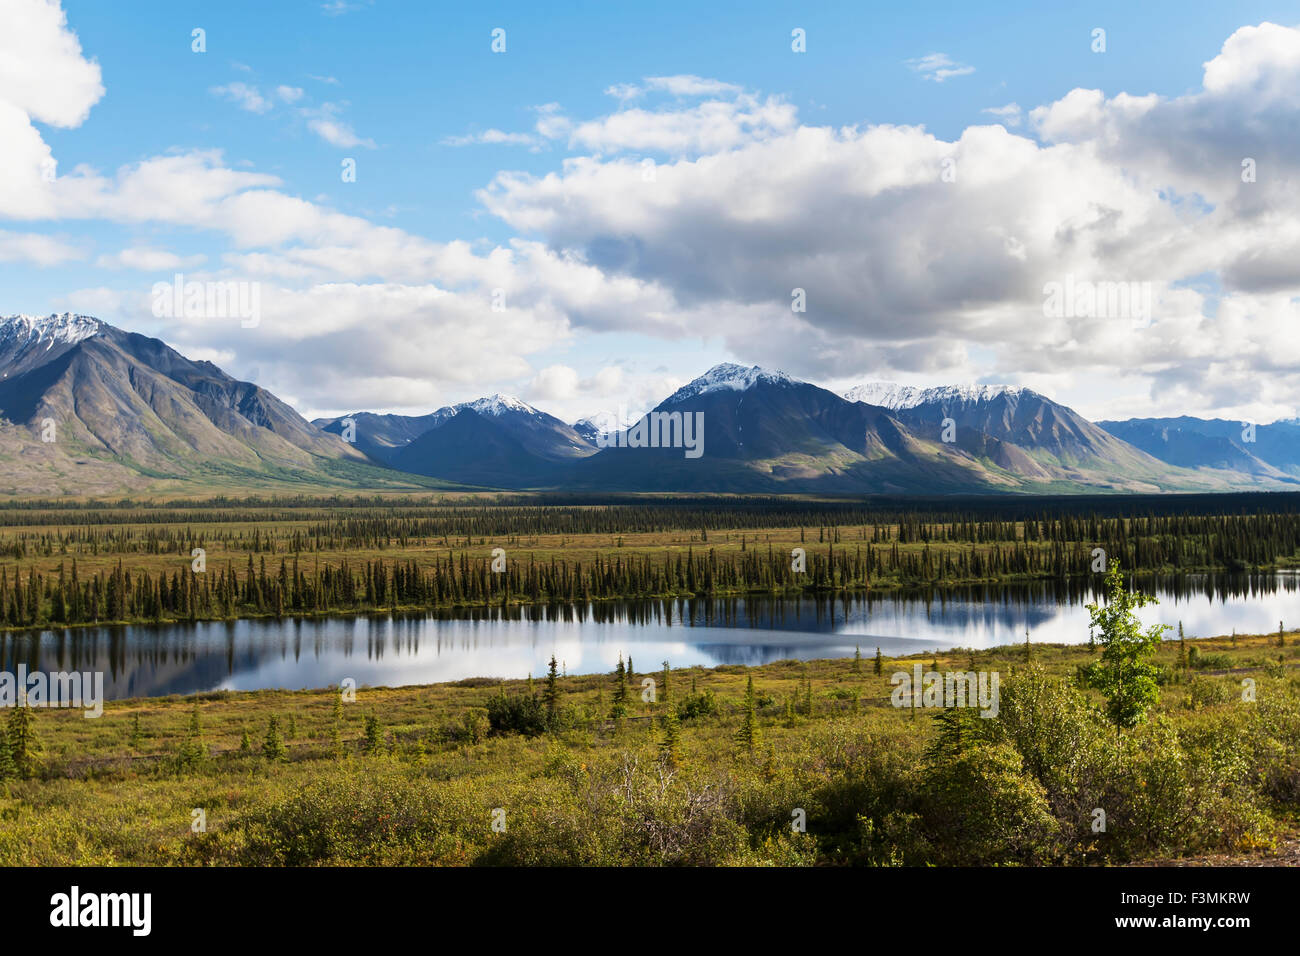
384 650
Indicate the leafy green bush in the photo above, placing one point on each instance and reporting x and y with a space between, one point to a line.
517 714
980 808
704 704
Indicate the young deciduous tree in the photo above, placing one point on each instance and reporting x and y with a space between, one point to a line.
1125 674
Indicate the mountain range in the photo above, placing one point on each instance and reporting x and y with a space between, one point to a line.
86 409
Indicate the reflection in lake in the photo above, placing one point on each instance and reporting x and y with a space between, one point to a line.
140 661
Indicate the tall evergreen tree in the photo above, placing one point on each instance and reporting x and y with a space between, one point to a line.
669 745
551 695
273 744
23 745
748 735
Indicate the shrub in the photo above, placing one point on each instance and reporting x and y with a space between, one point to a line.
980 808
516 714
691 706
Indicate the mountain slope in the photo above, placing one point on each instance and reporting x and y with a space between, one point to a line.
1216 444
126 410
764 431
497 441
1028 434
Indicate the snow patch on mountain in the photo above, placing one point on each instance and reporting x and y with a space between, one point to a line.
892 396
496 405
730 377
54 329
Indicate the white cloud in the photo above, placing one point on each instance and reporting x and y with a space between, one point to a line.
42 70
685 84
492 137
289 94
37 249
555 382
244 95
939 67
906 274
707 127
324 122
149 260
1009 114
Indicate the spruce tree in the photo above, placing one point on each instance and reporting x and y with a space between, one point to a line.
665 695
273 744
192 751
7 766
668 746
748 735
879 665
619 708
23 745
374 740
857 660
551 695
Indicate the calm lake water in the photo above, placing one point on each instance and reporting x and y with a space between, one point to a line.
151 661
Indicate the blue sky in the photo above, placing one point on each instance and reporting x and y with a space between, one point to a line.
288 91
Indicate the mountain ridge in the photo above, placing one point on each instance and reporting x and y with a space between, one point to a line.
129 411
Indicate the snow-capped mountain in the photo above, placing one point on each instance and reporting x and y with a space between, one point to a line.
87 407
27 341
383 437
889 395
495 441
1034 435
130 411
729 377
65 328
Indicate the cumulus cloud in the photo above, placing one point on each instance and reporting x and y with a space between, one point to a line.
907 268
918 256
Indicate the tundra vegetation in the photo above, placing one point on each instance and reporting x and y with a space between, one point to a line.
790 763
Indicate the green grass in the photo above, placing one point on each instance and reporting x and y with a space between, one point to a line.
1209 772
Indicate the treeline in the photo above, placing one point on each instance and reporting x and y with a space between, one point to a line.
1212 540
305 584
